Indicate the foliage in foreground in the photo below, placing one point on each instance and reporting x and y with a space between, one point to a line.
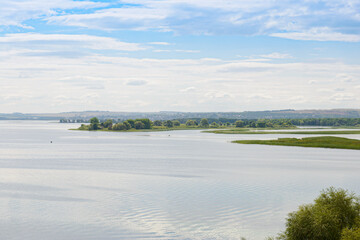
322 142
334 215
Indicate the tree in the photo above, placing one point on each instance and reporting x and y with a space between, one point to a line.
351 234
204 123
260 123
214 125
127 125
157 123
147 123
239 124
139 125
190 123
108 124
168 124
94 120
131 122
252 124
119 127
84 127
286 124
335 215
94 124
176 123
269 124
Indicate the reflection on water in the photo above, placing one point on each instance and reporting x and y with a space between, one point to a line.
162 185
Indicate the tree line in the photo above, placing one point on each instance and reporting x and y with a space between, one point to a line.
145 123
333 122
142 123
264 123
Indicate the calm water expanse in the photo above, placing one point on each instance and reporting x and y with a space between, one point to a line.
161 185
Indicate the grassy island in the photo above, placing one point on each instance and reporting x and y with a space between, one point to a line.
220 126
146 125
249 131
320 142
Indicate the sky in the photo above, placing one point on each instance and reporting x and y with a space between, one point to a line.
178 55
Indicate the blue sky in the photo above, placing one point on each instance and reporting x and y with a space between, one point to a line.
181 55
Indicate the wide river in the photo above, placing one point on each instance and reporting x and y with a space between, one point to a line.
157 185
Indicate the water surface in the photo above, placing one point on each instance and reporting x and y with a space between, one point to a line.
160 185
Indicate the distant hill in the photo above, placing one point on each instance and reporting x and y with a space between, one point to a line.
168 115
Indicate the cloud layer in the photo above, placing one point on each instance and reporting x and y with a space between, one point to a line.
144 84
186 55
330 20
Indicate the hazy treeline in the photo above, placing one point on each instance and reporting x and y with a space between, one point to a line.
351 122
64 120
170 115
253 123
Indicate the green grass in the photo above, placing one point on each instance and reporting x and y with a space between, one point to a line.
248 131
319 142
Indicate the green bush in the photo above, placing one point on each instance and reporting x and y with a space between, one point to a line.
176 123
204 123
239 124
351 234
335 215
168 124
157 123
139 125
94 124
147 123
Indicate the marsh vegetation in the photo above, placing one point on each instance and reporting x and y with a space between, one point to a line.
260 131
320 142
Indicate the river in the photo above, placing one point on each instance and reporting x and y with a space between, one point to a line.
61 184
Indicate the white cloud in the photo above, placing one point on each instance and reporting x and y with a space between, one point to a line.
108 81
297 99
257 60
88 41
319 34
176 50
187 51
260 96
340 97
276 55
218 95
160 43
16 12
161 50
345 78
325 90
189 89
299 20
115 18
87 82
135 82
